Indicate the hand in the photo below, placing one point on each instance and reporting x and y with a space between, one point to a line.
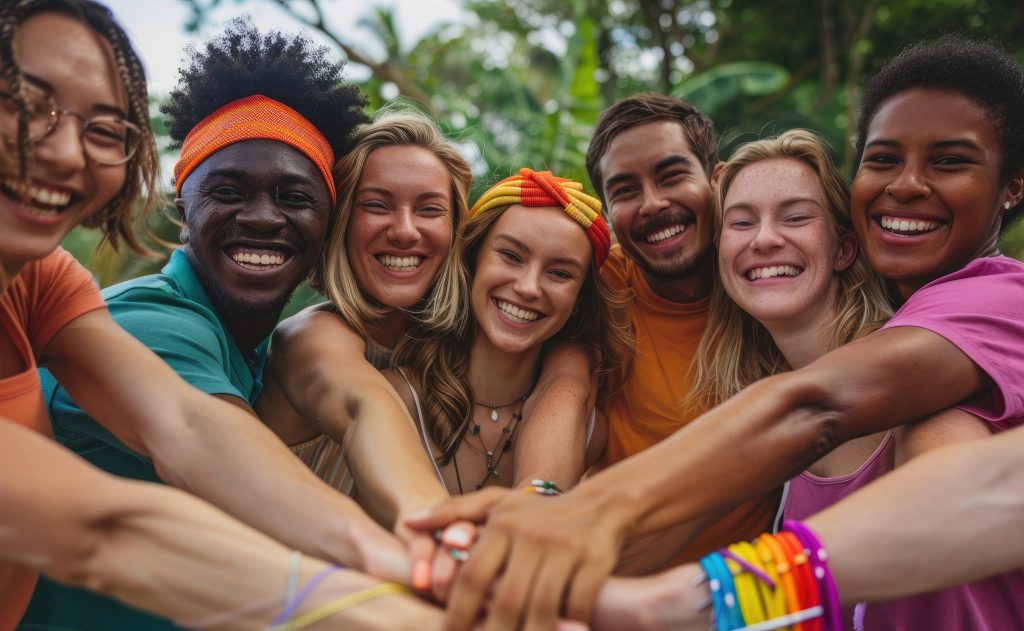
546 551
433 565
376 551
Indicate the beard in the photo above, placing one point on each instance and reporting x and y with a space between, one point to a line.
684 265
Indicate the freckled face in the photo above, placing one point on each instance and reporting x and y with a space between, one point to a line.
659 199
927 196
529 273
400 231
66 60
778 253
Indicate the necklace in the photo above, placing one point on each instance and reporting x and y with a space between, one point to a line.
496 407
492 456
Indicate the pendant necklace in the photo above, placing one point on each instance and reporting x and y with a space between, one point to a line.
493 455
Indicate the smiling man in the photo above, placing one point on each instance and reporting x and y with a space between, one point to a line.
260 119
651 160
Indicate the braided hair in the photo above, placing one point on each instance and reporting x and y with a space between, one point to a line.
122 219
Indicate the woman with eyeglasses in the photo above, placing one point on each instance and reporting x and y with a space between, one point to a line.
76 148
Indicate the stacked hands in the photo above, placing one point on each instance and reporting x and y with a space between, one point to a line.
535 557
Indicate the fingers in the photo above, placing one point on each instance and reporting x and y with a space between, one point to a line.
548 590
513 594
459 536
383 556
591 573
474 581
474 507
422 551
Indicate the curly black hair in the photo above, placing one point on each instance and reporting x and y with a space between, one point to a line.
981 71
291 69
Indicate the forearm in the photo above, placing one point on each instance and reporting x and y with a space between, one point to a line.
950 516
227 457
746 447
392 471
553 441
150 546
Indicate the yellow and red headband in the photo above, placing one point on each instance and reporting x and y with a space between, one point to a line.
542 188
251 118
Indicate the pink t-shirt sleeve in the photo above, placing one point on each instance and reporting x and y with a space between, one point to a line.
980 309
62 291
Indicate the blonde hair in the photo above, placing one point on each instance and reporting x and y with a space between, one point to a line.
439 364
442 307
736 350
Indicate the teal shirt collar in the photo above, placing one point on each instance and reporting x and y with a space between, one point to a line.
179 270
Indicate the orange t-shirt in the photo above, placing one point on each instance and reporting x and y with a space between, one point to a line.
43 298
653 401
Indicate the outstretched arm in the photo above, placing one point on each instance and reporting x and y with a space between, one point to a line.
155 547
744 448
553 442
972 488
212 448
318 363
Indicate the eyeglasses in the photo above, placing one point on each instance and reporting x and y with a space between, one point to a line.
107 139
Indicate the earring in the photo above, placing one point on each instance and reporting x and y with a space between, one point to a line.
1006 205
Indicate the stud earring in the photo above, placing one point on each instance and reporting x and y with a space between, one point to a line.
1006 205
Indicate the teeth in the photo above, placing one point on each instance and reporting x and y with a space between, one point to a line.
400 263
253 258
45 196
773 271
661 235
908 225
515 313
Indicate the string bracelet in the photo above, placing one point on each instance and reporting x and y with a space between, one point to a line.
782 567
307 589
222 619
809 594
819 565
750 581
748 598
338 605
543 487
727 609
720 616
785 621
775 598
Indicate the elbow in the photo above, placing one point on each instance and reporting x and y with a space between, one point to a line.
811 419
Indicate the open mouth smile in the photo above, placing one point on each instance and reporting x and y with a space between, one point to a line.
517 314
665 233
400 263
773 271
907 227
43 199
258 259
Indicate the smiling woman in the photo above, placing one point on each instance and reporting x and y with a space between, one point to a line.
75 148
533 280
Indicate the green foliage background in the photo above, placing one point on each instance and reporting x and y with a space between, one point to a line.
521 82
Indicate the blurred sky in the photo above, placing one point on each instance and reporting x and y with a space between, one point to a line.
157 27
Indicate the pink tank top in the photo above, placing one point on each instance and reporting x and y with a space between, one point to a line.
992 604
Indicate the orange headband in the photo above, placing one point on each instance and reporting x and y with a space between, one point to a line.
533 188
252 118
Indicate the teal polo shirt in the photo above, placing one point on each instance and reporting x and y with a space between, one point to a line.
171 314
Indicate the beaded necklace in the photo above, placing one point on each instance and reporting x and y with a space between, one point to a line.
494 454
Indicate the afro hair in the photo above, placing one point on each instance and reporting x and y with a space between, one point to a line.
291 69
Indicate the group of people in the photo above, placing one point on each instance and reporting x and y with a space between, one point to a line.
762 342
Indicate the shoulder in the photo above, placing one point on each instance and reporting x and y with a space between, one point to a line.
314 335
616 269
